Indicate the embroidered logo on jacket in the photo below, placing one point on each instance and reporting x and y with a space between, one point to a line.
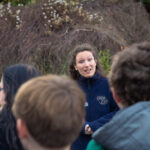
102 100
86 104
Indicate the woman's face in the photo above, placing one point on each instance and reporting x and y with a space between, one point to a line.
85 64
2 94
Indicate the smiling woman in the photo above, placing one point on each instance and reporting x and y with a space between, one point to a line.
85 68
85 64
80 56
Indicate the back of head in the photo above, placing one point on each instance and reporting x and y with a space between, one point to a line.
56 106
13 77
130 74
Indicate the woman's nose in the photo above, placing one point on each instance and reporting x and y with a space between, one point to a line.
86 63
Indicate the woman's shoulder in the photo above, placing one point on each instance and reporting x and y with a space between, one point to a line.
102 79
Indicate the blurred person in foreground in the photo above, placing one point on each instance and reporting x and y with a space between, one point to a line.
130 82
50 113
12 78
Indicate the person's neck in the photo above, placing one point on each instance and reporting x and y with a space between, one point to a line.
30 144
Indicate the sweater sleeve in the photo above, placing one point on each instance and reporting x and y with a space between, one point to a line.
101 121
106 118
83 128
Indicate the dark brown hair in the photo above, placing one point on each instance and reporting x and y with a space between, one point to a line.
13 77
80 48
130 74
52 108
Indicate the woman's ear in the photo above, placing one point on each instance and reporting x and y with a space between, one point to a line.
75 68
22 129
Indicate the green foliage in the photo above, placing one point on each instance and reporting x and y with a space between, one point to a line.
24 2
17 2
104 57
144 1
63 68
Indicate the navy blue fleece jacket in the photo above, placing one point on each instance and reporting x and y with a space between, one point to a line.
100 107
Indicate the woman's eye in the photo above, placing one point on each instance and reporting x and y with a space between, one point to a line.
90 59
81 61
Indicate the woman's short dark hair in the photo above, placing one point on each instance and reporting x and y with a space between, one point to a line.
80 48
13 77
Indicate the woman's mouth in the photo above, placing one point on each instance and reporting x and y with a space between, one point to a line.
88 70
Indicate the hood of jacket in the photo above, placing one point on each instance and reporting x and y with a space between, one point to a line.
128 130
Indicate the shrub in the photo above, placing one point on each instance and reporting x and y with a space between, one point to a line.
44 33
105 59
38 33
16 2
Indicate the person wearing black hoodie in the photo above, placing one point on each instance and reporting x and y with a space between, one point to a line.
100 107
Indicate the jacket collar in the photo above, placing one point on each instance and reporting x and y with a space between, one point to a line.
94 78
